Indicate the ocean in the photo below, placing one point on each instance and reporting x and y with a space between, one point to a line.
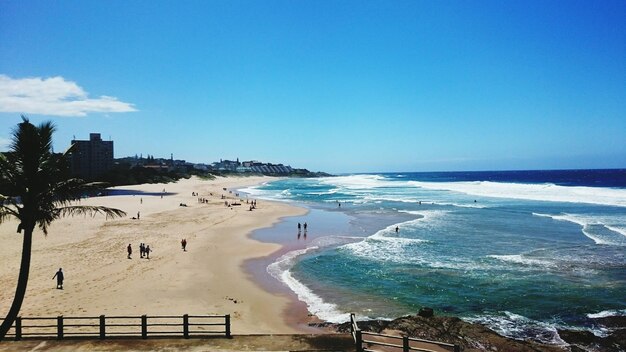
523 252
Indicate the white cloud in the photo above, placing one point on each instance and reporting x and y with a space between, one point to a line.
53 96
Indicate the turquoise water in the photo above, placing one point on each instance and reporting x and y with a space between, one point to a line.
523 257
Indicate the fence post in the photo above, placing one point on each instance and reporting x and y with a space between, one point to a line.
18 328
227 317
186 326
60 327
405 343
102 327
359 340
144 326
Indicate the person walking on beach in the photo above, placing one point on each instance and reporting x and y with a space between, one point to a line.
141 250
59 276
299 227
305 227
148 252
184 244
130 251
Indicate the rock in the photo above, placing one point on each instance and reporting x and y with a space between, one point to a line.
612 321
470 337
426 312
476 337
586 341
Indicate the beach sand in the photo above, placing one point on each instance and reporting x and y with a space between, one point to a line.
206 279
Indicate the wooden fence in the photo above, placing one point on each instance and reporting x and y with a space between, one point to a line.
366 341
103 327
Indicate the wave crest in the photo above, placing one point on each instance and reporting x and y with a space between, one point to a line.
539 192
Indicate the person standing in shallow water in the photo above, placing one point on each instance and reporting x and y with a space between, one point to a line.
59 277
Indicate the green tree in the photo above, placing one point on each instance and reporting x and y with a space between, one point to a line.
35 188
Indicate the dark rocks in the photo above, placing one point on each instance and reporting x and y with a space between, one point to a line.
476 337
470 337
426 312
615 341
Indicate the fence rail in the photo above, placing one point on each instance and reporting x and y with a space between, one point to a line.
367 341
103 327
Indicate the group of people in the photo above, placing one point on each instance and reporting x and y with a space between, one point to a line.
202 200
300 226
144 250
252 204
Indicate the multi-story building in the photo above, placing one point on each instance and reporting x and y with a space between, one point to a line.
91 159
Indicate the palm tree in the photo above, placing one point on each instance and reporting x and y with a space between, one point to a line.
35 188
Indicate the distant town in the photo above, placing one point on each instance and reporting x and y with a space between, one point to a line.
93 160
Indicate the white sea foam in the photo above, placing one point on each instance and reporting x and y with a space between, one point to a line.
359 182
608 313
325 193
620 230
390 198
281 270
427 217
586 222
520 327
254 190
521 259
386 246
464 205
258 193
540 192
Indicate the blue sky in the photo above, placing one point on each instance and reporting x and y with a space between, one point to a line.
338 86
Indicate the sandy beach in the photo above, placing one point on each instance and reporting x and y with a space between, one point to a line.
209 278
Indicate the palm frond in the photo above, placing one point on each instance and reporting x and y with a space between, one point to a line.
6 213
7 171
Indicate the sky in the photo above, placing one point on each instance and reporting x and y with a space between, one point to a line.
336 86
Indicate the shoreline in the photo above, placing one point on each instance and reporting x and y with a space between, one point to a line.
209 278
212 277
287 226
323 224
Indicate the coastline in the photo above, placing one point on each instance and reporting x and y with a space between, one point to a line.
284 234
209 278
212 277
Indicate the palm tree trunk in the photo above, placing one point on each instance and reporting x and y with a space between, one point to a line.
22 280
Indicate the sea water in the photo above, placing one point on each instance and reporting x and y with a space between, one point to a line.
524 252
